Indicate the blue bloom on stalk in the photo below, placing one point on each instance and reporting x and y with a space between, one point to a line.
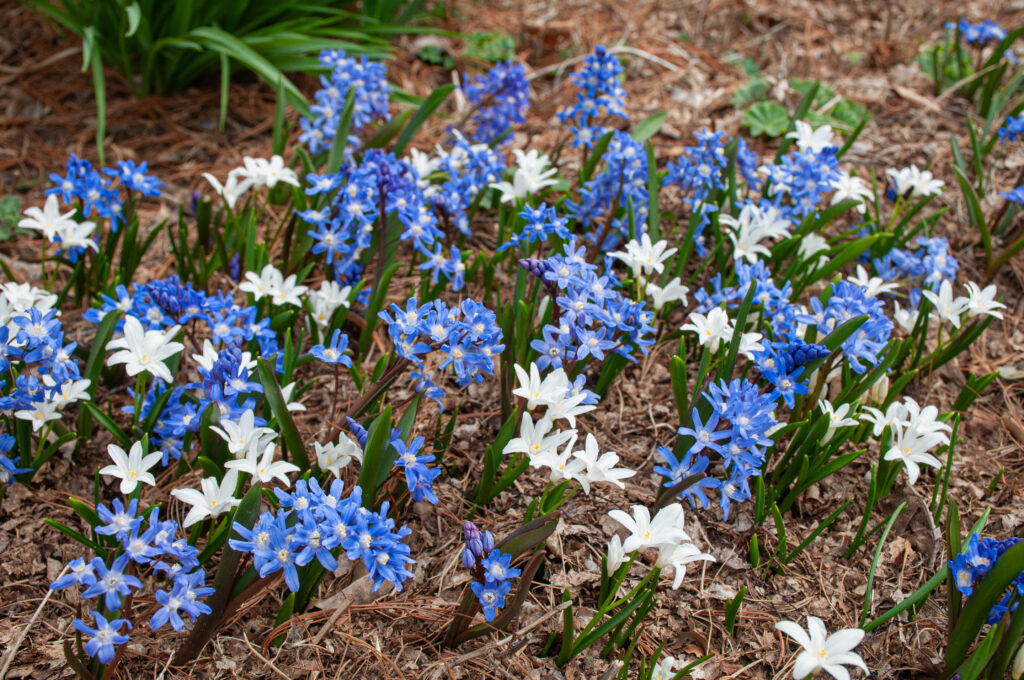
599 94
977 34
80 573
497 566
134 178
706 435
1011 129
1014 195
112 583
8 469
334 353
367 78
501 99
491 596
119 521
677 471
279 556
971 565
103 637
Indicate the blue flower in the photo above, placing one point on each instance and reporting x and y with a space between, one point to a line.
112 583
500 100
334 353
103 637
497 567
491 596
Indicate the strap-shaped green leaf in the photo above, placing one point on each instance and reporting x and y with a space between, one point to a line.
289 432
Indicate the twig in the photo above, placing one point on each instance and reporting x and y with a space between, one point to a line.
501 642
31 621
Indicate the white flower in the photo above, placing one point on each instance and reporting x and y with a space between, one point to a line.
830 653
263 172
568 407
263 466
837 418
712 329
424 166
327 300
292 406
78 235
918 182
142 350
851 188
754 225
532 174
243 435
270 281
48 221
750 343
674 291
875 285
644 256
616 555
665 529
906 318
563 465
214 499
915 436
811 245
949 308
39 413
808 138
333 457
677 557
663 669
131 468
600 467
983 301
232 189
537 391
536 439
895 413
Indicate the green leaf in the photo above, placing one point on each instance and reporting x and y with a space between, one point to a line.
429 105
378 457
289 432
92 545
766 118
649 127
340 141
103 419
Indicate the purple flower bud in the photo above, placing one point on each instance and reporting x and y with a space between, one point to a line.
196 196
534 266
468 558
488 542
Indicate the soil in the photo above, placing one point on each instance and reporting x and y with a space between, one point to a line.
864 51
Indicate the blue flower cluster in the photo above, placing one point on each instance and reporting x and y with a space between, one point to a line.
153 547
590 317
847 301
499 100
929 265
541 222
492 574
622 185
698 171
466 335
1011 129
227 372
46 375
804 178
97 193
971 565
599 93
370 103
419 477
321 524
470 168
737 428
978 34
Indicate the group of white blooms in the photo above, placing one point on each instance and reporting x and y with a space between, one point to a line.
16 299
255 173
543 443
281 290
58 228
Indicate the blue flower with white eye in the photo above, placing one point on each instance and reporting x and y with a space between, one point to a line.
491 596
497 566
120 520
112 583
103 637
334 353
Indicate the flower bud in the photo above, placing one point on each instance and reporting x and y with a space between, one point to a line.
468 559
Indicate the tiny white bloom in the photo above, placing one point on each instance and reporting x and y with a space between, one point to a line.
807 138
141 350
645 256
333 457
263 467
214 499
131 468
821 651
711 329
48 221
983 301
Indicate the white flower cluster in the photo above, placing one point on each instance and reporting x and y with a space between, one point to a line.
256 173
541 441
